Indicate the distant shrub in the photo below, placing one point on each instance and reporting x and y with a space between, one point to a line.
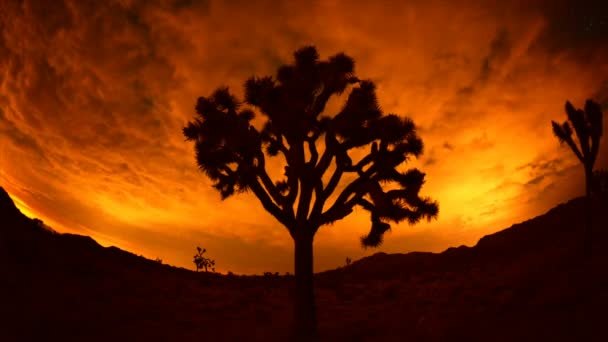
159 260
39 223
271 275
202 262
348 261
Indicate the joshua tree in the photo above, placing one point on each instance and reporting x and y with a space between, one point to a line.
201 262
348 261
588 127
358 148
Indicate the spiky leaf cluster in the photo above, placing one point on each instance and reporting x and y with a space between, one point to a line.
225 142
588 126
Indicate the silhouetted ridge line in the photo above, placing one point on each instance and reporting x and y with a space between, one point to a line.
7 206
556 231
28 244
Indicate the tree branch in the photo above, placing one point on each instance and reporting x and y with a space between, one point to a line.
268 204
341 207
282 146
319 201
304 202
361 164
328 154
267 182
572 145
292 181
300 171
314 154
322 197
336 213
365 204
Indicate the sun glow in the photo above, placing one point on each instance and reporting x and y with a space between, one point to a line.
24 208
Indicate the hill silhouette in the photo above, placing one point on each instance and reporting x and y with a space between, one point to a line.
528 282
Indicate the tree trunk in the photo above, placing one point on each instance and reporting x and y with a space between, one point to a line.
588 180
305 325
589 210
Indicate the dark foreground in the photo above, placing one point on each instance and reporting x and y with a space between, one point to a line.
530 282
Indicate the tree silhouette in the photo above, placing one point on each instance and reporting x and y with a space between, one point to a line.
233 153
201 261
587 124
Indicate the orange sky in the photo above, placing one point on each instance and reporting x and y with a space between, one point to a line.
93 99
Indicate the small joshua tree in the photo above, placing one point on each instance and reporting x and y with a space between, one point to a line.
202 262
588 126
348 261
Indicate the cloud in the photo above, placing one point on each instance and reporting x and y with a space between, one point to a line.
430 161
18 138
500 49
481 142
535 180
